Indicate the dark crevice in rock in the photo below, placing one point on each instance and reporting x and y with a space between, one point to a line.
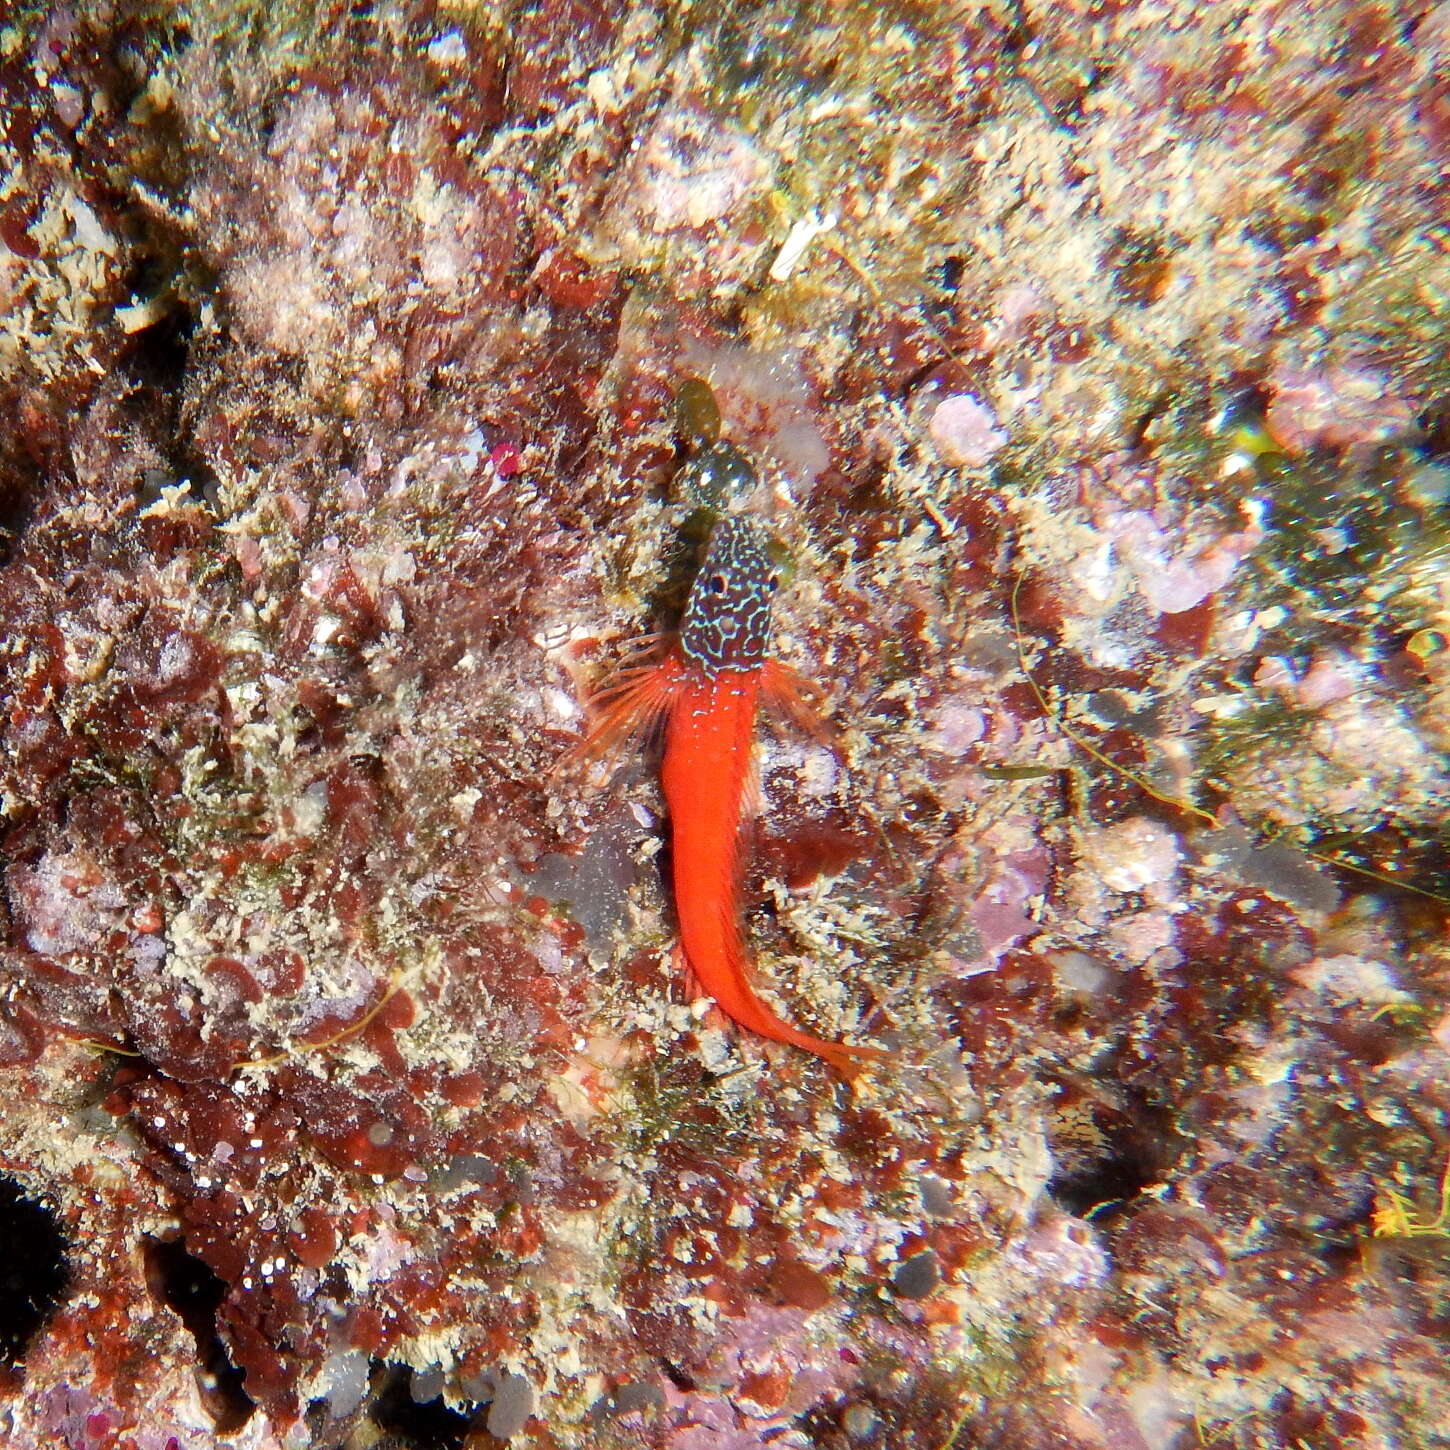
1108 1185
161 359
1130 1146
33 1271
186 1285
17 498
678 1377
431 1425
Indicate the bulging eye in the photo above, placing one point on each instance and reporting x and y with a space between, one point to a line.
717 584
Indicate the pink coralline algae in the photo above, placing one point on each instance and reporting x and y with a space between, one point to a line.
965 431
692 171
1337 407
1086 369
1174 583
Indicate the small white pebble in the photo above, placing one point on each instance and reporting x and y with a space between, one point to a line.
448 49
463 803
562 704
1131 854
801 235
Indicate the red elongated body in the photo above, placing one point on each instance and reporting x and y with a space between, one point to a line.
707 689
709 737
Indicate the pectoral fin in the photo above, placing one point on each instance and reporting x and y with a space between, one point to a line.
790 693
634 699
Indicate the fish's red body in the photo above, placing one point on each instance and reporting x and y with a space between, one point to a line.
707 689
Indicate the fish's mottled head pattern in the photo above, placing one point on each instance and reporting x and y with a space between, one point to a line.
727 616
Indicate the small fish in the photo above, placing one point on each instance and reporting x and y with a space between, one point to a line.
705 687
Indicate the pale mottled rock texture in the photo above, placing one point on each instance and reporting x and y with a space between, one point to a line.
349 1093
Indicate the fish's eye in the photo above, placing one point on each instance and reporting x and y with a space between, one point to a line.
716 584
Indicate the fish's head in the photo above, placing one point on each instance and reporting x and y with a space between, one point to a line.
727 616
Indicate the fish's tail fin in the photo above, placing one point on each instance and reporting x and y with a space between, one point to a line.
743 1005
849 1061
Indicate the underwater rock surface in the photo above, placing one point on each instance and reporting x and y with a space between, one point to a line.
1093 360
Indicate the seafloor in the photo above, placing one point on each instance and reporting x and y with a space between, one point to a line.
1093 356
